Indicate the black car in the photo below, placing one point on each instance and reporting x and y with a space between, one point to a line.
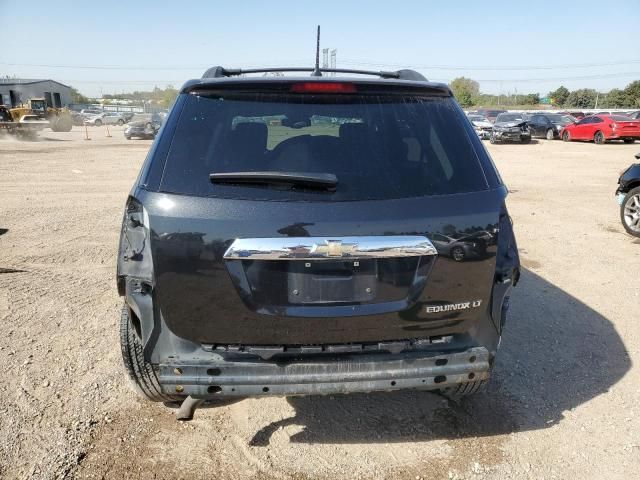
143 125
547 125
628 194
510 127
281 239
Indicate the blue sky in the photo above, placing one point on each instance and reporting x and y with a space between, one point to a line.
507 46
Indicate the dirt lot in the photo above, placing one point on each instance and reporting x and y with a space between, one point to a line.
563 402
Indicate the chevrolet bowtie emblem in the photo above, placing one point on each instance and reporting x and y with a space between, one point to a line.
334 248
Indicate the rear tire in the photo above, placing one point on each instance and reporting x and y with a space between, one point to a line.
598 138
142 374
98 123
120 122
629 140
464 389
457 253
550 135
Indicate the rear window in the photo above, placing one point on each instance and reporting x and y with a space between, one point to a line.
620 118
378 146
509 117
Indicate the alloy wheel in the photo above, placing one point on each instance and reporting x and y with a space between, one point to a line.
598 138
458 254
632 213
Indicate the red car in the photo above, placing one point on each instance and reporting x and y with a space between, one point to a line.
601 128
578 115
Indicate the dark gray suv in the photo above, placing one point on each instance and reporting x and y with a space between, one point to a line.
284 237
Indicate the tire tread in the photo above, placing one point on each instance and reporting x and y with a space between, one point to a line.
141 373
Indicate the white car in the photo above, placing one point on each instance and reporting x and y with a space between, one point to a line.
481 125
108 118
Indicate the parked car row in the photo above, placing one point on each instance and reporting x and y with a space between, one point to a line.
98 117
569 126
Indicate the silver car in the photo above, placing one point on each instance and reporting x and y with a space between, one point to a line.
108 118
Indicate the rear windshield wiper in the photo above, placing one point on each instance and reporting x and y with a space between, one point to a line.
324 181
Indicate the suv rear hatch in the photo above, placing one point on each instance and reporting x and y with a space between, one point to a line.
369 213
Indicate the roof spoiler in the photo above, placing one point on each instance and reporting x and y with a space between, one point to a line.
220 72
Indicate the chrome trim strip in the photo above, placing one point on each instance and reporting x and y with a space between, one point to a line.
329 248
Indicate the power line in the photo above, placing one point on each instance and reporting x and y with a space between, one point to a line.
133 68
344 61
486 67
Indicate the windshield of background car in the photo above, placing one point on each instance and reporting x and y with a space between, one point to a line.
378 146
561 119
620 118
509 117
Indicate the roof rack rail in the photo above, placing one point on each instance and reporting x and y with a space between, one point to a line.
219 72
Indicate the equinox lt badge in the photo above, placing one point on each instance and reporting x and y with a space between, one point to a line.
453 306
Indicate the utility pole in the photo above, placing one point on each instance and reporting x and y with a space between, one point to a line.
333 59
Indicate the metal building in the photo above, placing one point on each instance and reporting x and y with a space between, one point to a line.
16 91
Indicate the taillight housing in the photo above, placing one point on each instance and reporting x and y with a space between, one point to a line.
323 87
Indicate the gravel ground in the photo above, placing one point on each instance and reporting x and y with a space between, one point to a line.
563 402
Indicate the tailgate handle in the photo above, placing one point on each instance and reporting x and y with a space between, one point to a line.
329 248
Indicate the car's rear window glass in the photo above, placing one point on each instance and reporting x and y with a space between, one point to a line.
378 146
621 118
509 117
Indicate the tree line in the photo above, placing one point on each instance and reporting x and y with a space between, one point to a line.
467 92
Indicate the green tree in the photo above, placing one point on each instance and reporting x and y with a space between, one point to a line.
583 98
531 99
617 98
465 99
168 96
465 90
632 91
77 97
559 95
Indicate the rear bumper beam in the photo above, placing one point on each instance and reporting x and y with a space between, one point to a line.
339 374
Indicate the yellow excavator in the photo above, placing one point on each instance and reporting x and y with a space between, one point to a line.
33 117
